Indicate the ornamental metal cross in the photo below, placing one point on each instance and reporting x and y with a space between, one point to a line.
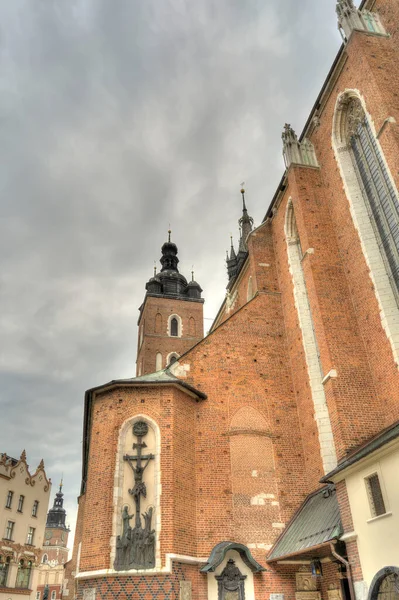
140 430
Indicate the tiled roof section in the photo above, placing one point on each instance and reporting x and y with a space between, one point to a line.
386 436
317 522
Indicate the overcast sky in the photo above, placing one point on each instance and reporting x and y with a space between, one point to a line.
118 118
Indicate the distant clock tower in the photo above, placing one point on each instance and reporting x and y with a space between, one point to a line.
55 550
171 316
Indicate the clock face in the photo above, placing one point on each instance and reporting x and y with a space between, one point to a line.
49 534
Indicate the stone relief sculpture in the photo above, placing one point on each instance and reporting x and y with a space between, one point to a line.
135 547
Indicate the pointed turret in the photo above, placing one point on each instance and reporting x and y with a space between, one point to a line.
193 288
246 222
232 261
236 260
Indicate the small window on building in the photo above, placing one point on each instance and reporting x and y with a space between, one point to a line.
9 499
374 492
9 530
44 559
53 595
20 503
172 358
4 567
30 536
37 595
174 327
23 575
35 508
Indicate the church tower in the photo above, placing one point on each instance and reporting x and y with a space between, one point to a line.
171 316
55 551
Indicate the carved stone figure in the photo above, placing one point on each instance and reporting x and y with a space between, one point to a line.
135 548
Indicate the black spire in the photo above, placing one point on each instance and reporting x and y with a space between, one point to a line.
232 261
245 224
56 515
236 260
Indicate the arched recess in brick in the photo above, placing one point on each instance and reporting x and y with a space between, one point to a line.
158 361
124 481
309 342
373 201
158 323
191 326
254 487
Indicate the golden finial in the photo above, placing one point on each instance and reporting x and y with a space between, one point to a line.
155 268
242 187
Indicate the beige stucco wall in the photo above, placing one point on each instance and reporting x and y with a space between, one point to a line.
18 479
377 537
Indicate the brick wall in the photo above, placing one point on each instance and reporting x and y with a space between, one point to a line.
155 338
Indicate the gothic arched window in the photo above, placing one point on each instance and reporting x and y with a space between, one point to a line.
374 203
382 199
174 327
172 358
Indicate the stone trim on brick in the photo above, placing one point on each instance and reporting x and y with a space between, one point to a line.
321 414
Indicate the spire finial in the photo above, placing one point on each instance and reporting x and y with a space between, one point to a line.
155 268
61 482
169 232
243 195
231 240
192 273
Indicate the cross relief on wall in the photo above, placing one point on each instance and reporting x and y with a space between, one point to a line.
135 546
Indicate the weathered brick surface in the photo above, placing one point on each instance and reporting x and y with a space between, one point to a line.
153 330
237 465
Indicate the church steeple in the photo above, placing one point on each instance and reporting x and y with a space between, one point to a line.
236 260
56 516
169 260
171 316
245 224
169 282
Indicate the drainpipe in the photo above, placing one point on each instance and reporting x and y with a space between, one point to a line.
348 571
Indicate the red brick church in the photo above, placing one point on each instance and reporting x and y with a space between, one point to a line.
261 461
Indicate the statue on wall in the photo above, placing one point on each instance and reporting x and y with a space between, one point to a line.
231 582
135 548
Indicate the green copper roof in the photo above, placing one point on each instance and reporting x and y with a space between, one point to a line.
317 522
159 377
163 375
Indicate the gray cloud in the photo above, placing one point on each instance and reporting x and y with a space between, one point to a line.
118 118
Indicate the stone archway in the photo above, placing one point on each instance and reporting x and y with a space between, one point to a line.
385 585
